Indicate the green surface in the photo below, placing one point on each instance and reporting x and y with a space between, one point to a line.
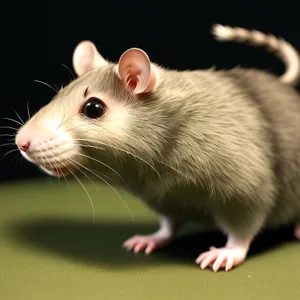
50 248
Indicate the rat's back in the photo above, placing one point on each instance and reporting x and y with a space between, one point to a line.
237 135
280 106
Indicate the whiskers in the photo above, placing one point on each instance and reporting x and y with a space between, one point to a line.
106 182
80 168
13 120
184 175
68 162
9 152
22 121
73 75
9 137
28 112
100 162
121 150
86 191
46 84
56 167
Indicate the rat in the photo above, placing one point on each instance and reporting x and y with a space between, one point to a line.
219 147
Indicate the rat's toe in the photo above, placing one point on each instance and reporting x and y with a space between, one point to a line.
219 262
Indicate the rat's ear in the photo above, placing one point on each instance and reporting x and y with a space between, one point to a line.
136 71
86 58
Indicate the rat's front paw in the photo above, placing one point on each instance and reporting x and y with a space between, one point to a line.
147 243
222 258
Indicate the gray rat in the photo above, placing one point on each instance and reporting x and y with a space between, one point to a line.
219 147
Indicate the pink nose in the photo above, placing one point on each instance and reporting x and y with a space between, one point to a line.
24 146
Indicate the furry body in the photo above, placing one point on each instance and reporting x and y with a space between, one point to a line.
217 147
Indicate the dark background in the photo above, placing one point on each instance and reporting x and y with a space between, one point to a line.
37 38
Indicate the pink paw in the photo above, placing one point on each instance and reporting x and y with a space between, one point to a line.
147 243
221 258
297 232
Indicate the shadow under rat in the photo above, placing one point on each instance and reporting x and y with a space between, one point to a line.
101 243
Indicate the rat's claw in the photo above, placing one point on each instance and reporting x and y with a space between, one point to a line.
218 262
229 264
140 246
202 257
207 260
222 258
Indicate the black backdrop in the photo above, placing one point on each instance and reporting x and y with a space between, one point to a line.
37 37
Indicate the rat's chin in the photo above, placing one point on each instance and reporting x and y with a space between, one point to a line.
55 162
59 172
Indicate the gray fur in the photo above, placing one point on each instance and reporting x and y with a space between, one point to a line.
217 147
225 144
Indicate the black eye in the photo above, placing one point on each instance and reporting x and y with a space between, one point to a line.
93 108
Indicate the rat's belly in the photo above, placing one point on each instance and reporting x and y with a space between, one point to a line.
186 203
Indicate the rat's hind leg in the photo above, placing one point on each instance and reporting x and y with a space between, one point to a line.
297 231
159 239
241 223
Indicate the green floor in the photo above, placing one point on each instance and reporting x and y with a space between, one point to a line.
50 248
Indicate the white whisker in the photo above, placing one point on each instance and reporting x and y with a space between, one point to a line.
12 141
100 162
19 118
64 121
7 134
15 157
90 199
7 144
49 162
69 191
13 120
122 150
19 159
46 159
122 199
7 153
8 127
28 113
69 70
46 84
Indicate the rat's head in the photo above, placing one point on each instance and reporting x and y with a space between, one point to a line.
101 110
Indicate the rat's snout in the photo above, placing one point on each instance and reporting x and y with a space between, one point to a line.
23 140
52 150
23 145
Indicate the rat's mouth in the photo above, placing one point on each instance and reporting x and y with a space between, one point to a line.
55 162
51 167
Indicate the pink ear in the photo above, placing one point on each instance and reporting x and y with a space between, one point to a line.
86 58
135 70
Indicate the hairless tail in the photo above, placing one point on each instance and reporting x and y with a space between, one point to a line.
284 50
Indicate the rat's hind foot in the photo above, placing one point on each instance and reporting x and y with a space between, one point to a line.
152 242
221 258
297 232
233 254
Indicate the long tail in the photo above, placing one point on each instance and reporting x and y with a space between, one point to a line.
285 51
